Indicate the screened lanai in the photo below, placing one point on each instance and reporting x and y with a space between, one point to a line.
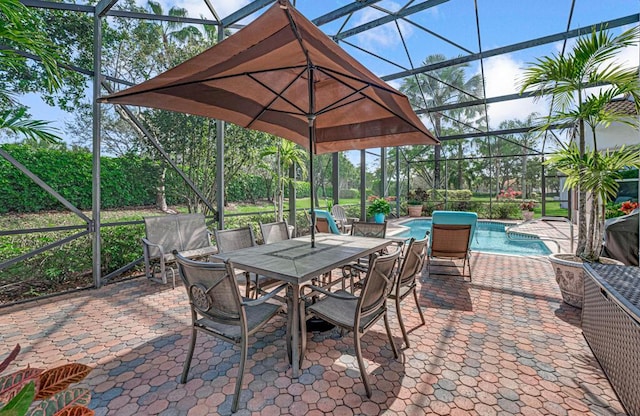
459 62
500 339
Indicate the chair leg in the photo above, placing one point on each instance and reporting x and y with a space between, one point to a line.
247 279
187 361
402 328
289 325
243 361
256 292
147 262
415 297
303 331
393 344
173 277
163 272
363 373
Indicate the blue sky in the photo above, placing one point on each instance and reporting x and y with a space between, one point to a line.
502 23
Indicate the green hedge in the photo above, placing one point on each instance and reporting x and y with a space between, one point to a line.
126 181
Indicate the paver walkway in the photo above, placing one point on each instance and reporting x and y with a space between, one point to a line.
502 344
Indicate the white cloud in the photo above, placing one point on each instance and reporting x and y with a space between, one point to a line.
382 37
502 74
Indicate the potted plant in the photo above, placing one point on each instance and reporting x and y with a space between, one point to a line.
414 207
591 173
378 209
527 207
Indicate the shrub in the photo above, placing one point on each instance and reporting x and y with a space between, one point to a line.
349 193
505 210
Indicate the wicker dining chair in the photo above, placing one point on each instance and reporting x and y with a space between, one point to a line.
218 309
274 231
405 284
352 313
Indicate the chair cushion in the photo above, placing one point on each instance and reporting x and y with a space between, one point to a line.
256 317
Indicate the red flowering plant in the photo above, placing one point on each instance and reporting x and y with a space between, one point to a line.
509 194
528 205
628 206
372 198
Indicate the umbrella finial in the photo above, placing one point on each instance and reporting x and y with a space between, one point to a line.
284 4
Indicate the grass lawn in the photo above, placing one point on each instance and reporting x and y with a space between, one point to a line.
301 203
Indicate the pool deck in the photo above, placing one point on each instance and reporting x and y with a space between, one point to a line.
504 343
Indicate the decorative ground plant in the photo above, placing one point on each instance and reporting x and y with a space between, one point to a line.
37 392
379 206
527 205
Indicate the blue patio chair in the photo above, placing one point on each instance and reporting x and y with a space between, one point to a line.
451 234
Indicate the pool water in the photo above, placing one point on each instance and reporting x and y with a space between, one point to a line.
489 237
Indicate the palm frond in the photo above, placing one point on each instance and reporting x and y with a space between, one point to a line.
16 121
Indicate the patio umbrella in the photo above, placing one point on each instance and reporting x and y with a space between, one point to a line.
282 75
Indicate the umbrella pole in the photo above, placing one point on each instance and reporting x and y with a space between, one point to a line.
312 132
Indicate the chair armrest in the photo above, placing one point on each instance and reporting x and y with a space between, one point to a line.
346 269
263 299
150 244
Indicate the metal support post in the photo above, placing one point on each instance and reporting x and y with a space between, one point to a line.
220 158
335 177
292 198
363 185
398 182
94 226
384 189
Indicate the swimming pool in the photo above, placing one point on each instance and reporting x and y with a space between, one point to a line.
489 237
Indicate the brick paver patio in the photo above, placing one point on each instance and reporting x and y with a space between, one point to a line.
502 344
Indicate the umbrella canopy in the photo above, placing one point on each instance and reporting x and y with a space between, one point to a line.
282 75
275 75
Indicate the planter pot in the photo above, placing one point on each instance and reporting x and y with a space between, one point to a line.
378 217
528 215
570 276
414 210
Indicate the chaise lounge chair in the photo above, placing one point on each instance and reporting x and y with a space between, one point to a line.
326 216
451 234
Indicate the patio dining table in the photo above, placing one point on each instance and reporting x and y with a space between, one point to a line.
295 262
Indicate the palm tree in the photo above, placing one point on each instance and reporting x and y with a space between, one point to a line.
444 86
20 30
570 80
287 154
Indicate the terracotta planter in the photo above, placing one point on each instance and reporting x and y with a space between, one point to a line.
570 276
528 215
415 210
